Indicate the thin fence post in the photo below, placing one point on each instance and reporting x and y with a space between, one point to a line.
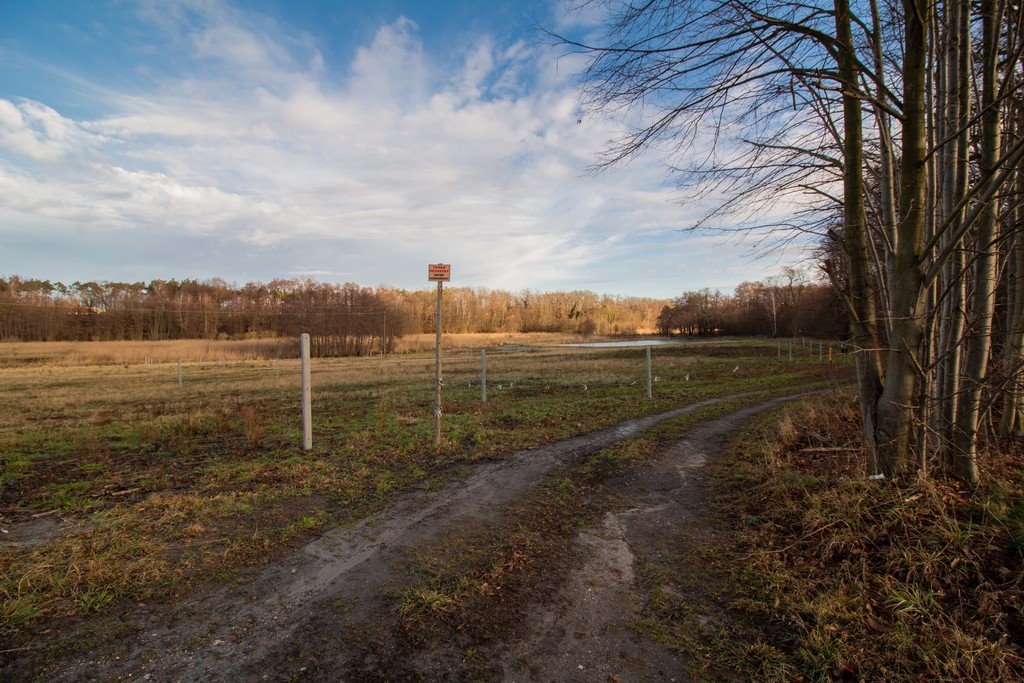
790 350
277 368
821 353
181 380
650 387
779 343
483 375
437 365
307 394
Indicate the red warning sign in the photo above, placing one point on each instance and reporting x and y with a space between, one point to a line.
439 272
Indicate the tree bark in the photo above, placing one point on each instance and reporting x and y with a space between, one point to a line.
863 323
896 405
978 343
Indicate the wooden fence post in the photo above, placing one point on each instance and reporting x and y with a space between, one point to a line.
307 394
483 375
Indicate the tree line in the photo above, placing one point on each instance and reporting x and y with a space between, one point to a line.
891 132
347 319
344 318
780 306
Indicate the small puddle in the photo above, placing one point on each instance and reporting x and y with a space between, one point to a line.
31 532
623 344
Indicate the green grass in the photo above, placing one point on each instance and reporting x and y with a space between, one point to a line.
174 484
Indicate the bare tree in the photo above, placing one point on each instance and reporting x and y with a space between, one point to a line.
862 111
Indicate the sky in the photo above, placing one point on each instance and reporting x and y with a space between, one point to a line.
344 141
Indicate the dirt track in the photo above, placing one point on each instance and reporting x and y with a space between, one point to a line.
292 611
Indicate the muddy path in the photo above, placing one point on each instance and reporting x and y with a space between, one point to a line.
264 626
636 555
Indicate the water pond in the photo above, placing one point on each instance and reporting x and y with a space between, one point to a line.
625 344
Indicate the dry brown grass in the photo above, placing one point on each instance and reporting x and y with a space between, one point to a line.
138 352
213 351
902 580
171 481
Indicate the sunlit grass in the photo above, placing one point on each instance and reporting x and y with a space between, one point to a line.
165 482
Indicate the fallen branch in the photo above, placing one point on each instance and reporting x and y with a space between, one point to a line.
829 449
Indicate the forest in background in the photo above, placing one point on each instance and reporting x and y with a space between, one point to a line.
347 319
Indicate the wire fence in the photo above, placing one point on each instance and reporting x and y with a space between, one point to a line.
100 394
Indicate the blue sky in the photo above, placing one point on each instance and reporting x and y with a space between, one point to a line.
346 141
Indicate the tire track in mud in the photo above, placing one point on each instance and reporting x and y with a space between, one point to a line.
301 603
587 633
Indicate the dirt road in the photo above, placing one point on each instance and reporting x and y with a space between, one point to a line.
290 612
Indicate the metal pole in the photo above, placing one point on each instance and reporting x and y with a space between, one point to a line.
437 367
650 388
483 375
307 394
181 380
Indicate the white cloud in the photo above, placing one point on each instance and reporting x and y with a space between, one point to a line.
484 166
238 47
39 134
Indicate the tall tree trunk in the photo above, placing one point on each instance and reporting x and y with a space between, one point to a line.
1011 422
863 323
1013 348
979 339
955 172
895 408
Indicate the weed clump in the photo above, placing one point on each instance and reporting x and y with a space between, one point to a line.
905 580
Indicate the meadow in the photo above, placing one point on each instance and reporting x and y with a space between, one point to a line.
118 484
217 350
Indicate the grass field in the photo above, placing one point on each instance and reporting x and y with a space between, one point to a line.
119 484
13 354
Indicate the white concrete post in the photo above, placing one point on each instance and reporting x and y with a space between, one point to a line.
181 379
650 387
483 375
307 394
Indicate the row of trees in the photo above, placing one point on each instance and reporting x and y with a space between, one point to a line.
352 320
786 305
467 309
892 131
349 318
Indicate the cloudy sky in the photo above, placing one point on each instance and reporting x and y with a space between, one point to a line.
346 141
